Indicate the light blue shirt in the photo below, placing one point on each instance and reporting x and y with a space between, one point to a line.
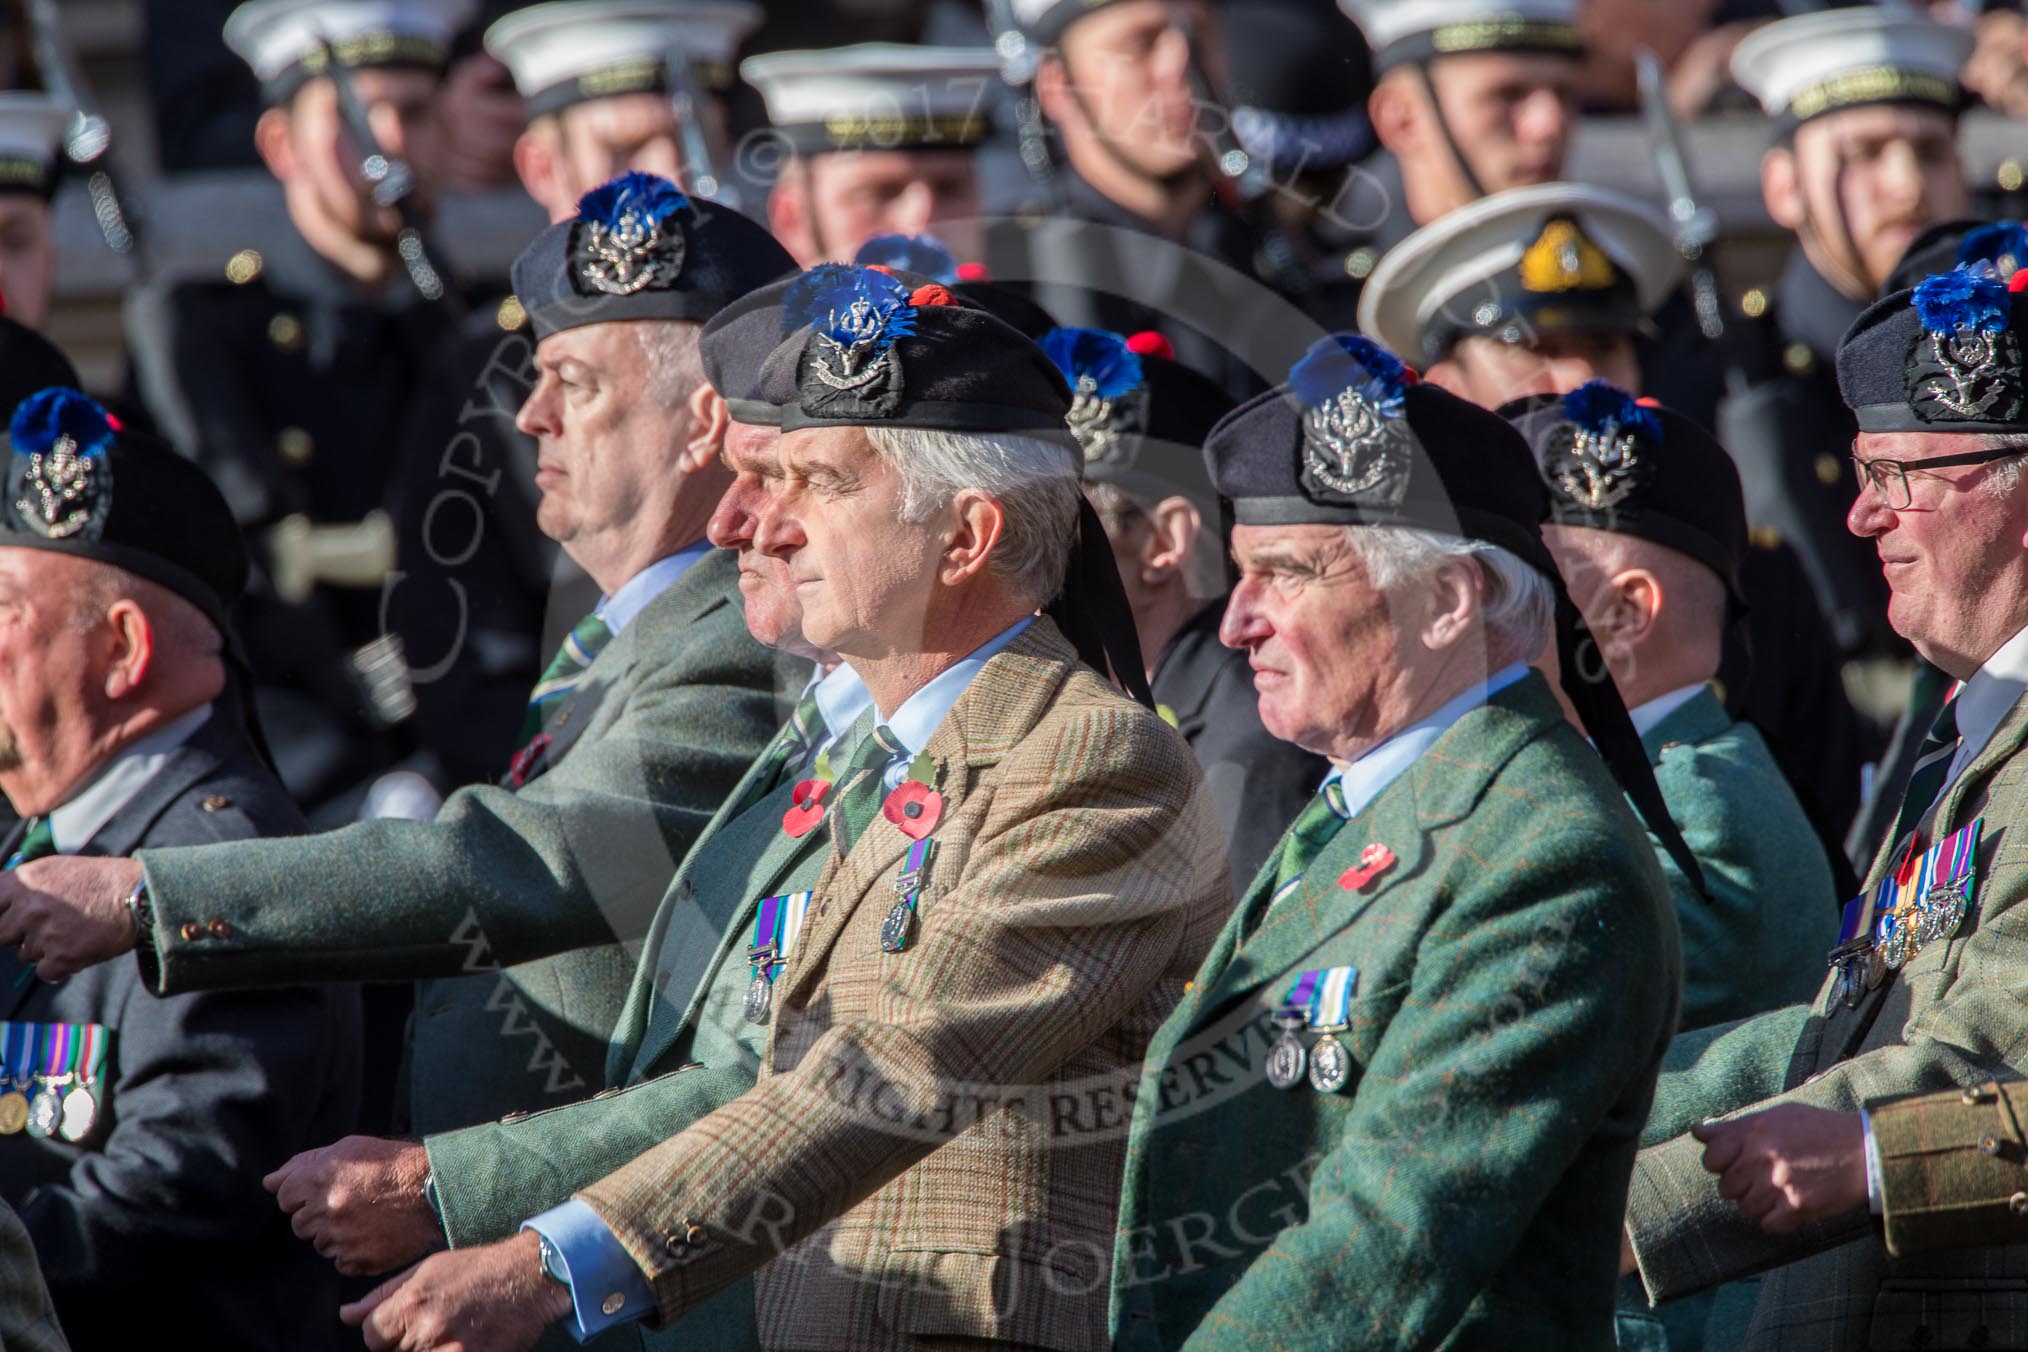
619 609
1364 778
597 1264
841 698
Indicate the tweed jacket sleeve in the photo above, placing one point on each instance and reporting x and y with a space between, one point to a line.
27 1319
1085 878
1954 1167
500 877
1952 1017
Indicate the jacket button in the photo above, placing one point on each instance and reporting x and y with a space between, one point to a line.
191 931
220 929
215 802
612 1304
2018 1204
694 1234
1989 1145
674 1244
1977 1095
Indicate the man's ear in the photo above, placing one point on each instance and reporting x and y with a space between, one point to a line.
1452 602
1174 524
271 140
704 442
976 534
1053 93
132 641
1393 109
789 212
1781 188
1637 600
538 160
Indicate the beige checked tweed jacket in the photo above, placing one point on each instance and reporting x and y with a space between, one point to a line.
934 1148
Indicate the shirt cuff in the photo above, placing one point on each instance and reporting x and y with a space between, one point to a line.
1874 1185
606 1287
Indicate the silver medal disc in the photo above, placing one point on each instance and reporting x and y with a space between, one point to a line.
1330 1066
898 928
45 1114
80 1111
1285 1061
759 997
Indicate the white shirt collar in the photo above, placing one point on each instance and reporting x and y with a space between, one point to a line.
619 609
83 814
1364 778
1994 689
919 715
1648 716
841 698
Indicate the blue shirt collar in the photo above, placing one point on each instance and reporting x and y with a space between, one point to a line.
1364 778
619 609
917 718
841 698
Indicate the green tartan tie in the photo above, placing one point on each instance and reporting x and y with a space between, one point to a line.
580 649
1313 829
860 788
37 841
799 741
1932 764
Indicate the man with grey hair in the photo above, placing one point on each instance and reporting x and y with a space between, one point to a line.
1141 417
642 725
1022 870
1460 960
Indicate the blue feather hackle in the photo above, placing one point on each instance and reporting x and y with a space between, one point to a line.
1597 406
58 411
1342 361
1101 355
636 193
2000 243
850 305
924 255
1970 296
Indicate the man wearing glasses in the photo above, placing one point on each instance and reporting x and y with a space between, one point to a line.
1927 983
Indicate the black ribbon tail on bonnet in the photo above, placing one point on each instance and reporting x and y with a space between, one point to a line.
1611 729
241 677
1092 610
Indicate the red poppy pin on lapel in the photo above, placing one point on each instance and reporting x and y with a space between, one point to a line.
915 806
1374 860
525 758
806 808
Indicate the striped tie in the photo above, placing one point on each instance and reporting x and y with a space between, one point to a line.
1305 839
861 787
580 648
1932 764
799 743
37 841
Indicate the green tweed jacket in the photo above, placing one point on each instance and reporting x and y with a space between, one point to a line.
503 882
1954 1167
1954 1016
1758 941
681 1048
1518 979
27 1319
920 1162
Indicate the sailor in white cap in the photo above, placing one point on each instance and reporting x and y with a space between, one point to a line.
596 78
31 135
1530 291
1865 103
1471 98
879 139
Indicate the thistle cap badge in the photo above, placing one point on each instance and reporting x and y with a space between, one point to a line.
1608 432
1966 364
628 237
856 315
1356 441
1109 391
59 482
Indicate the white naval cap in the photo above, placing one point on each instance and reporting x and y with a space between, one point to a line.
284 40
1551 258
1405 31
570 51
1818 63
32 127
878 96
1043 21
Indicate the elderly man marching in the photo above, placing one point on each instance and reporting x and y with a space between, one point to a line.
1024 867
1398 1105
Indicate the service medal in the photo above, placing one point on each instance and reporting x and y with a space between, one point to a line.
1330 1065
1286 1059
13 1112
1876 969
80 1112
899 927
760 996
1947 906
45 1114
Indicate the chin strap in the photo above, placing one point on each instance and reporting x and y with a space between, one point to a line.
1436 108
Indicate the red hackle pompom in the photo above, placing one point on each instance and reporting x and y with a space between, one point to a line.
880 268
2019 281
1149 343
1648 401
973 272
113 421
933 294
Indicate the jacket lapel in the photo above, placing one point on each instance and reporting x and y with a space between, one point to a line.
1002 705
1697 719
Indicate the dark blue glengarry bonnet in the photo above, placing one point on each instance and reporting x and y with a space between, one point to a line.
1944 356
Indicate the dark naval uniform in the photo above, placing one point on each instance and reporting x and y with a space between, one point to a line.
290 388
1258 782
152 1226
